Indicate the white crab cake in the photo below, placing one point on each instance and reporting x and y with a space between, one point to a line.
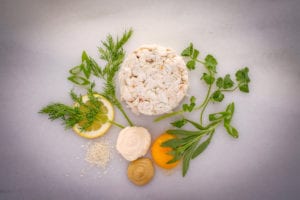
153 80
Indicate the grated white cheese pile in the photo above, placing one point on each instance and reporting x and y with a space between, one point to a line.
98 153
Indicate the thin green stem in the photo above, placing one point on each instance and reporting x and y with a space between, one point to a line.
200 61
116 124
168 115
125 115
230 90
205 104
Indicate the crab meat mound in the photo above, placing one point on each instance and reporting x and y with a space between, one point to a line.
153 80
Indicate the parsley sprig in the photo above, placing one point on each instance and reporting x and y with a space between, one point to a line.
190 143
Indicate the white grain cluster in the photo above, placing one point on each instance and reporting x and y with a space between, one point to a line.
98 153
153 80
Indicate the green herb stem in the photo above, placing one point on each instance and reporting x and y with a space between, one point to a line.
204 104
120 107
116 124
230 90
200 61
168 115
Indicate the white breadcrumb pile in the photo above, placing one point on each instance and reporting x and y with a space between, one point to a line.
98 153
153 80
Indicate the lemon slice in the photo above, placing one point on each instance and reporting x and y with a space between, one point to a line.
102 124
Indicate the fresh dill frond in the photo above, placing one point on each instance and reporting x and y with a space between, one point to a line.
83 113
68 114
112 53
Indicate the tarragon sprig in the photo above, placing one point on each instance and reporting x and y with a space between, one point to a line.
190 143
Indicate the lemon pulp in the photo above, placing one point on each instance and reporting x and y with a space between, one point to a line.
102 123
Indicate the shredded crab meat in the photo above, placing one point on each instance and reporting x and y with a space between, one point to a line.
153 80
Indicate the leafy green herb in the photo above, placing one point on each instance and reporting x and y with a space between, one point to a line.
189 107
188 144
224 83
217 96
71 115
188 51
112 53
243 79
179 123
192 54
208 78
210 63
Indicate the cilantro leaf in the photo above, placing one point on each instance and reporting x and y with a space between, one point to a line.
195 54
189 107
191 64
179 123
224 83
209 79
228 83
217 96
210 63
188 51
243 79
219 82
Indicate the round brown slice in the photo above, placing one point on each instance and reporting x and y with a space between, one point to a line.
140 171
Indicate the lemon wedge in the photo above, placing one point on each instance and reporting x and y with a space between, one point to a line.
102 124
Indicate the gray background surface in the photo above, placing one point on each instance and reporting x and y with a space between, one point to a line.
41 40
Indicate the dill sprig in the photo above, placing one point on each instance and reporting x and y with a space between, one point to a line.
71 115
112 53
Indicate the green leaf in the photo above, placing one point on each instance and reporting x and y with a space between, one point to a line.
95 69
243 79
86 65
216 116
219 82
75 70
195 54
217 96
191 64
213 124
229 111
196 125
202 147
209 79
187 158
211 63
185 132
225 82
176 156
231 130
173 143
188 51
244 87
228 83
190 107
179 123
78 80
193 99
84 56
